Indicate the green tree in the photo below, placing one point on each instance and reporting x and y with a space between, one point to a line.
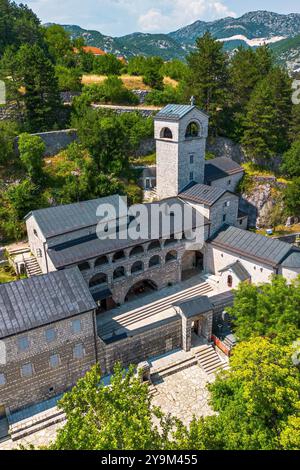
292 197
59 44
34 82
207 77
107 64
41 97
294 131
32 148
106 139
168 95
8 133
137 65
246 69
256 401
18 25
175 69
106 418
112 90
267 120
23 197
69 79
271 309
152 75
291 160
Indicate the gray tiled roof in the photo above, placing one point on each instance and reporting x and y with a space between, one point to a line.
196 306
202 194
221 167
239 270
41 300
65 218
66 249
175 111
268 250
292 261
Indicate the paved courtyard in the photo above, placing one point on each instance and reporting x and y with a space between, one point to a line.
184 394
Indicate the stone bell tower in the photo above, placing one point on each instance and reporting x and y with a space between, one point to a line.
180 132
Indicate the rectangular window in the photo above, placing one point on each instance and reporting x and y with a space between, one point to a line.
224 218
191 159
27 370
50 335
2 379
227 204
54 360
76 326
78 351
191 176
229 182
23 344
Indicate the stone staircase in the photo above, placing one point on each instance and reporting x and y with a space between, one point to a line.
209 360
32 267
36 423
155 307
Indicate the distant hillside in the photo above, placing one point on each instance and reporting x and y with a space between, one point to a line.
250 30
287 52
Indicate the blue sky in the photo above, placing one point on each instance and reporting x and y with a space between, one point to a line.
119 17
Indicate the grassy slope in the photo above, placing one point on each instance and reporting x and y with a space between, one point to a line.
131 82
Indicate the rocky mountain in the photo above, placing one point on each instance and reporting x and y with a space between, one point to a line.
250 30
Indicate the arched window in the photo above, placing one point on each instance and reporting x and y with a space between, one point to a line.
154 261
100 261
97 280
229 281
166 133
84 266
119 272
137 267
171 256
155 245
192 130
118 255
137 250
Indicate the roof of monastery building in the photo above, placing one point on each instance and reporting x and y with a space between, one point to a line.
251 245
293 260
203 194
62 219
39 300
220 167
76 238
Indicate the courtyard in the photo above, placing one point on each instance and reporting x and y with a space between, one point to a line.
183 394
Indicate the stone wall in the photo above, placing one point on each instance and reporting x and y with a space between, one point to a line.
152 342
46 381
55 141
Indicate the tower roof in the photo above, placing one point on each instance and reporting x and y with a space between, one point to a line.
175 112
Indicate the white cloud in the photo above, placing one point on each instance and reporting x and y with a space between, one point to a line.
172 14
118 17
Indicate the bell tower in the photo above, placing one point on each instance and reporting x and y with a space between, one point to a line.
180 132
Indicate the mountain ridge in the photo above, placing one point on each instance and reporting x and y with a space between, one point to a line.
250 30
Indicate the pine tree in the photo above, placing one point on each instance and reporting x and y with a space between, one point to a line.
294 131
247 68
268 115
207 78
41 96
